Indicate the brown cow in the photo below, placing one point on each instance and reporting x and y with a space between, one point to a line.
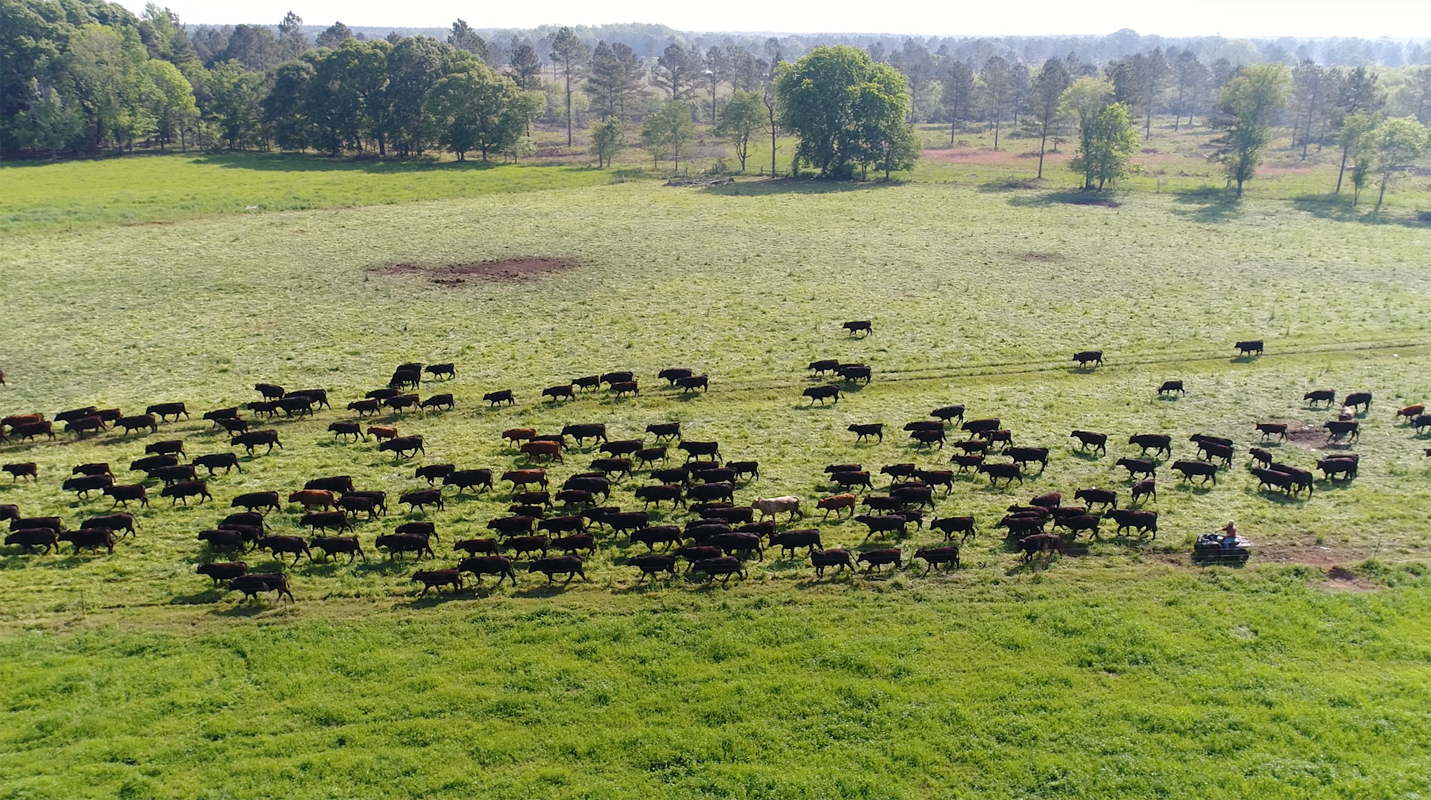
312 498
519 434
837 503
542 450
382 432
524 477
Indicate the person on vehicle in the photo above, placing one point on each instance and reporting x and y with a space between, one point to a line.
1229 536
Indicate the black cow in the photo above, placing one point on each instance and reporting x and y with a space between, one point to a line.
1094 496
402 445
651 564
399 543
467 479
725 566
934 556
1142 521
1249 347
185 490
501 566
551 566
254 583
422 498
582 432
1157 442
864 431
673 374
499 397
1086 357
790 541
166 410
1170 387
1316 396
823 393
253 439
1006 472
1200 469
223 570
837 558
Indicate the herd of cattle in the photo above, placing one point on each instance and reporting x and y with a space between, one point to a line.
551 526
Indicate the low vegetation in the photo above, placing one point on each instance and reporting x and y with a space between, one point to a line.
1117 668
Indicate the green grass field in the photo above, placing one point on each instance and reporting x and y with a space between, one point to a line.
1117 670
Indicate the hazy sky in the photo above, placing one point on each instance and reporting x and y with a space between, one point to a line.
1232 18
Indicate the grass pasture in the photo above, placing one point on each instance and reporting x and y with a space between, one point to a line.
1117 670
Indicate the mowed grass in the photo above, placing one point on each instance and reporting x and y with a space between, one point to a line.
1115 670
161 188
1110 684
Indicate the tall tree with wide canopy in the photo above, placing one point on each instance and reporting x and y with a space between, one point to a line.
841 105
568 53
1247 108
1044 113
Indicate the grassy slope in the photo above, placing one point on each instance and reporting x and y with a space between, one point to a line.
978 297
1096 686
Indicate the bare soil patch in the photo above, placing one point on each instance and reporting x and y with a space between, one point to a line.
1041 258
1340 579
506 270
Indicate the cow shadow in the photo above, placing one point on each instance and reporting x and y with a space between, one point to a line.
1243 359
1277 496
1084 455
211 595
248 608
554 589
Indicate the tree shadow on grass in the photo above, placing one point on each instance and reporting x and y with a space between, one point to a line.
1338 208
1207 204
784 186
1065 198
313 162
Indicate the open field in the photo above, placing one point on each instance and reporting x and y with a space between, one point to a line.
1115 670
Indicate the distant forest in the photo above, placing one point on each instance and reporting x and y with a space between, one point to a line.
81 77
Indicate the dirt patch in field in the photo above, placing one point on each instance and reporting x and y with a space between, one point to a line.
1302 433
506 270
1041 258
1341 579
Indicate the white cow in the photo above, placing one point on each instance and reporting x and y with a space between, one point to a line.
775 506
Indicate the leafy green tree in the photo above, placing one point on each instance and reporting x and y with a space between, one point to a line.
165 36
334 35
172 103
607 140
1359 94
959 95
998 91
1106 138
1247 107
917 65
1106 147
1311 85
676 72
291 41
283 107
740 118
569 53
464 38
253 46
525 67
414 66
614 78
717 70
1398 143
1358 139
236 101
825 99
478 110
335 101
1043 118
670 130
1189 85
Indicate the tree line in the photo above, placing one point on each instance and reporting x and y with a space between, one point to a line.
86 76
